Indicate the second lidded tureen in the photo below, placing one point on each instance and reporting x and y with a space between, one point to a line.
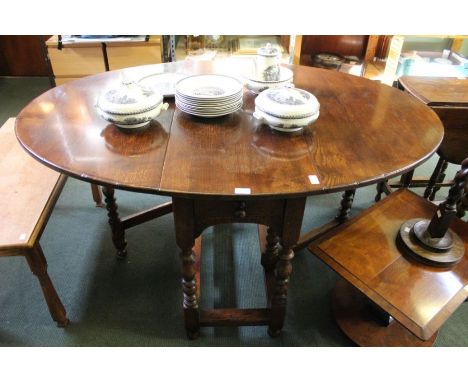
130 105
286 109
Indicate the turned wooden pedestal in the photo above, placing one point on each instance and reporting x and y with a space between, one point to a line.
365 325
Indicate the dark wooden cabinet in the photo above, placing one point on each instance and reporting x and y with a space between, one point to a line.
23 56
344 45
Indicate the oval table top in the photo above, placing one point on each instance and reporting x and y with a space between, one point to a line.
366 132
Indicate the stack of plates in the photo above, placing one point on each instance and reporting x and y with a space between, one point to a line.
208 95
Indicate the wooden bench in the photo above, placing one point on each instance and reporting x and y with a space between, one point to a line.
29 192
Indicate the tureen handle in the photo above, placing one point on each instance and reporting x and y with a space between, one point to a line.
258 117
126 80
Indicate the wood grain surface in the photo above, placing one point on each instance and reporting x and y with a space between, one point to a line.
26 188
448 97
366 132
364 251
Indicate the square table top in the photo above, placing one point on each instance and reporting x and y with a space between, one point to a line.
364 252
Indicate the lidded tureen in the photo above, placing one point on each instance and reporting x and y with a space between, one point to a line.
286 109
130 105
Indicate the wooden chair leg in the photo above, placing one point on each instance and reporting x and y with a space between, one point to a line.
428 192
118 231
38 265
97 196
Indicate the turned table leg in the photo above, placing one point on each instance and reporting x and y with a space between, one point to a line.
290 232
278 304
272 248
118 231
346 204
406 179
184 227
284 219
382 187
189 287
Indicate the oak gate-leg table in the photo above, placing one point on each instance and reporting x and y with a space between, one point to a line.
232 169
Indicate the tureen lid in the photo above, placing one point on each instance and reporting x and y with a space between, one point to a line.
268 50
287 102
129 98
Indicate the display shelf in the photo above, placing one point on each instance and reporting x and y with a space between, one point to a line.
74 59
206 48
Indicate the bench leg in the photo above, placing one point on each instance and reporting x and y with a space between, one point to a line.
118 231
38 265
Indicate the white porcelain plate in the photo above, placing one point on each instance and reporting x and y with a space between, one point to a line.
209 113
208 86
285 75
208 105
163 83
209 109
216 101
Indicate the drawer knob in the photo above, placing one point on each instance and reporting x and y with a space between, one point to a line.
240 212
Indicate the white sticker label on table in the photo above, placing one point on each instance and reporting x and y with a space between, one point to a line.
314 179
242 191
22 236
